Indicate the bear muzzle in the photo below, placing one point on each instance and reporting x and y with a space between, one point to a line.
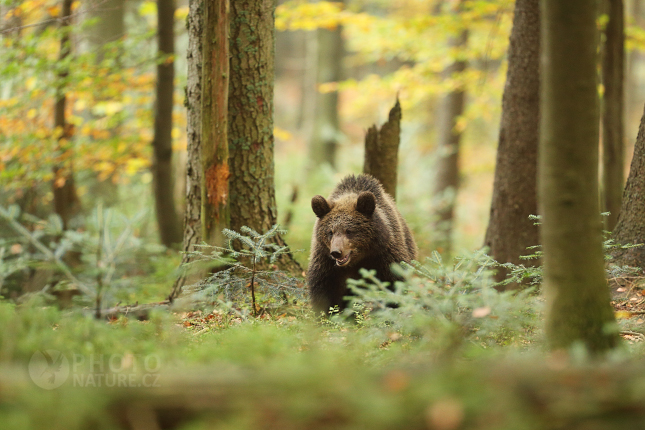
339 251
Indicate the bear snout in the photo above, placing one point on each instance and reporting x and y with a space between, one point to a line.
337 247
339 250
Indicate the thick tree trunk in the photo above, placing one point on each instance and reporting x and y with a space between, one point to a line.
382 150
577 308
325 135
250 133
66 203
215 152
510 231
447 173
192 214
630 228
613 69
169 229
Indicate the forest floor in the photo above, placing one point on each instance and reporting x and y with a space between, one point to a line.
628 300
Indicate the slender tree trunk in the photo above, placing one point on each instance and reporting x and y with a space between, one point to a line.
633 97
447 173
382 150
169 229
630 228
215 153
613 156
66 203
510 231
577 308
109 27
326 129
309 94
192 215
250 133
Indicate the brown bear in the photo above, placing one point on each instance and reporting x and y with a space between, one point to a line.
358 227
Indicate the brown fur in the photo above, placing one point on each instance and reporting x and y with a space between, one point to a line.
359 226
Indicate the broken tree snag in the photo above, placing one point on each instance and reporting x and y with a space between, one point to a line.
382 150
215 81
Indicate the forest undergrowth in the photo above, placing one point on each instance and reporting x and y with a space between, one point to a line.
442 349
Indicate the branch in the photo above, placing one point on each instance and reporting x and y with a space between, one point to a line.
141 312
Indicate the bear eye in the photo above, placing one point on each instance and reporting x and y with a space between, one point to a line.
330 234
349 232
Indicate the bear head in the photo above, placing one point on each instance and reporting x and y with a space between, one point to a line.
346 227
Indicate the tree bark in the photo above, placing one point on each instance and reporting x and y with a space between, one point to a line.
169 229
630 228
66 202
192 214
382 150
250 133
215 152
577 297
613 155
447 174
510 231
325 135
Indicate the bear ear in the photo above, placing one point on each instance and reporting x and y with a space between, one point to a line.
320 206
366 203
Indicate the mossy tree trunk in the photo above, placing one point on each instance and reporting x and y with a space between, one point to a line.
510 231
215 198
630 227
250 119
449 137
192 215
577 308
326 133
167 221
382 150
613 69
66 202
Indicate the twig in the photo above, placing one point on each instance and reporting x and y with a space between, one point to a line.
99 277
633 333
42 248
255 311
139 311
